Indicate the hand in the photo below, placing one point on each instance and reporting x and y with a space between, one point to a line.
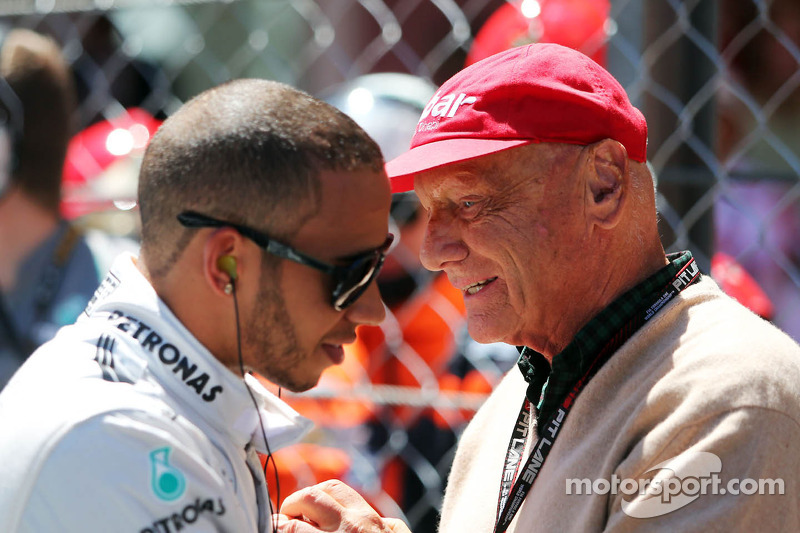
334 507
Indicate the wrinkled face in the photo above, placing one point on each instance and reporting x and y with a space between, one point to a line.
298 331
507 229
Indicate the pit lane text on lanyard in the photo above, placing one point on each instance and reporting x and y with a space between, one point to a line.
510 498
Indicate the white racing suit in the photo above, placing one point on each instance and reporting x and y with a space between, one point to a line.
125 422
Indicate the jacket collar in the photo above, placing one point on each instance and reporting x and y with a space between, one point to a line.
154 343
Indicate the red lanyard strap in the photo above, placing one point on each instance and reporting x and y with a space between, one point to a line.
513 493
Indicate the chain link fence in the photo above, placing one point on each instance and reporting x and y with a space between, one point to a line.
717 80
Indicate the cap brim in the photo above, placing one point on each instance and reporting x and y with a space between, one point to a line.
428 156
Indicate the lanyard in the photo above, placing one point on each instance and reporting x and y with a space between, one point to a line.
513 493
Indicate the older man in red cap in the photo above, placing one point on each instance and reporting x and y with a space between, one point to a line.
646 398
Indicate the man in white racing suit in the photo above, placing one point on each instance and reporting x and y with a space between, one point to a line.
264 221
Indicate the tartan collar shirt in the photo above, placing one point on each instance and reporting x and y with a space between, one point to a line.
548 386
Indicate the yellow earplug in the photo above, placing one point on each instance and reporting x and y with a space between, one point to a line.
227 263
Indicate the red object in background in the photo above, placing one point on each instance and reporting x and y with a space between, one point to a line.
736 282
303 465
578 24
102 163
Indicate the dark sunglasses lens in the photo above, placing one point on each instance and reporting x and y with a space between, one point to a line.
355 280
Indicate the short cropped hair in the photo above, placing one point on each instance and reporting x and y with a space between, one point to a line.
249 151
36 71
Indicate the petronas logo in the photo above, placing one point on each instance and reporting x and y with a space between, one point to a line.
167 481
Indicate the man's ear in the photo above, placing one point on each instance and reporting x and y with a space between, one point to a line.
607 183
224 242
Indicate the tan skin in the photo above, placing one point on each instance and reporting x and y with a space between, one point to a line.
558 231
352 218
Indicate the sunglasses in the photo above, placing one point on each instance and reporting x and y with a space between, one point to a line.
349 281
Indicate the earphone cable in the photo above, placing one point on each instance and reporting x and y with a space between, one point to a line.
260 422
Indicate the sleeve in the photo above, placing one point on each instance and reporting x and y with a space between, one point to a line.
734 471
127 472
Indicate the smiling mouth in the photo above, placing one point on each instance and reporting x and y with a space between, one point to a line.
475 288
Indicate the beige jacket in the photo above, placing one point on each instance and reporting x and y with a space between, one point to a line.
705 375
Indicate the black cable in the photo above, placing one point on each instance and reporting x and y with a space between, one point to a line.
258 413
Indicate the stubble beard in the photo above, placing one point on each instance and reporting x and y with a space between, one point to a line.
272 341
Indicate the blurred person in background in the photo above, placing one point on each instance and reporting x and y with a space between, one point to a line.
49 268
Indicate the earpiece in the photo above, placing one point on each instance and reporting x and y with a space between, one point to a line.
227 263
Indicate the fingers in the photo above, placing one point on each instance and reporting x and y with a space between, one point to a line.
286 524
395 525
335 507
344 494
327 497
315 505
291 525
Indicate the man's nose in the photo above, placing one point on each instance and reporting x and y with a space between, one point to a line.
368 308
442 242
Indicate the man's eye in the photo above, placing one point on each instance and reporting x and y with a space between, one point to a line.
470 208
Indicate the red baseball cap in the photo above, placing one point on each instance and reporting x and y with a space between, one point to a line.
529 94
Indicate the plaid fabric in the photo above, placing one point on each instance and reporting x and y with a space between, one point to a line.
548 387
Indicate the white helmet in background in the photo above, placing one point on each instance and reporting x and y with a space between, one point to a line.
387 106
